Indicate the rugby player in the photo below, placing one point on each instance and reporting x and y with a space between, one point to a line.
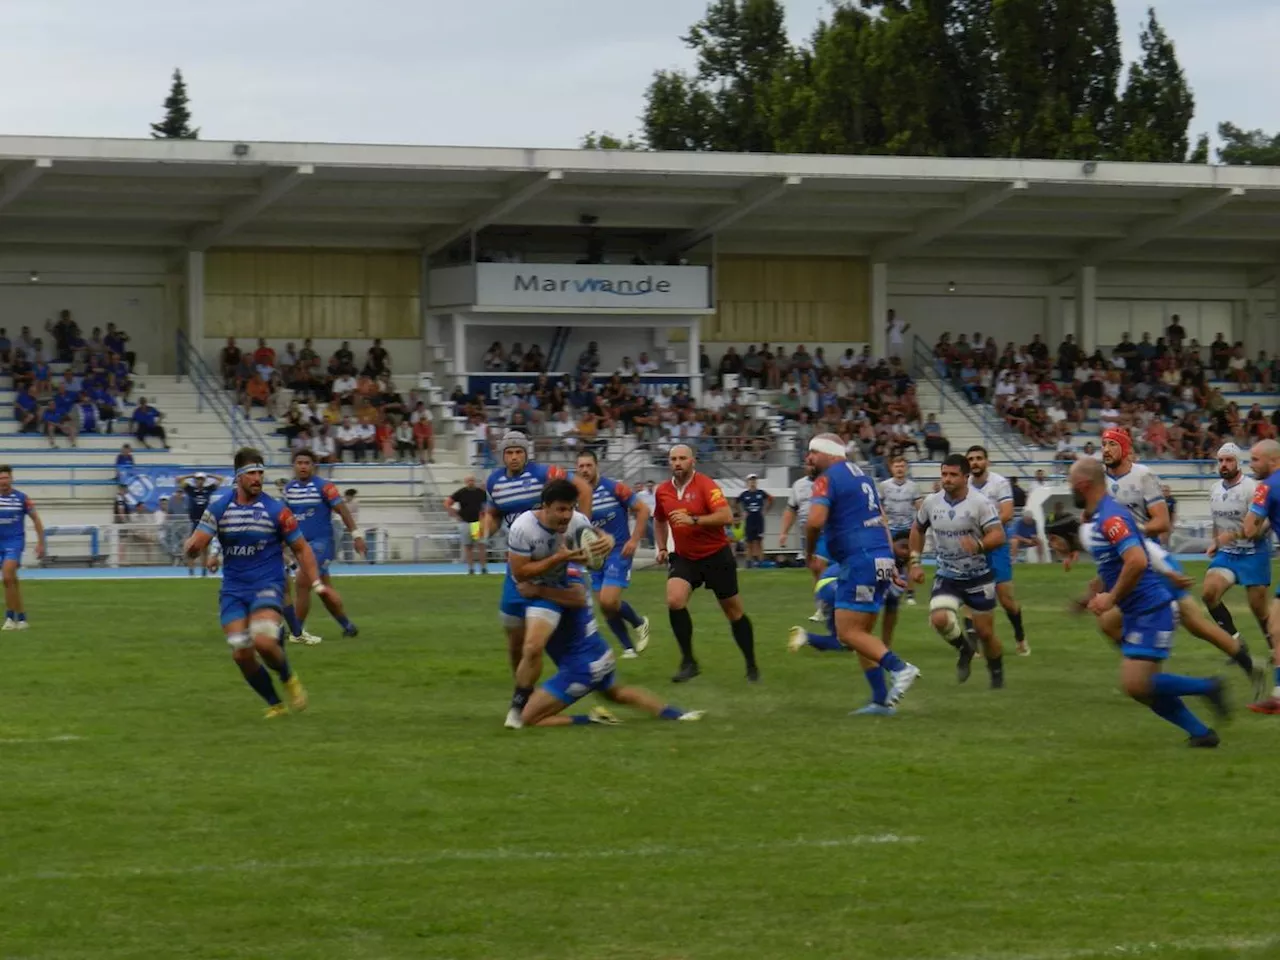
611 501
966 531
847 507
901 498
15 507
1263 518
996 488
1236 559
798 509
314 502
253 529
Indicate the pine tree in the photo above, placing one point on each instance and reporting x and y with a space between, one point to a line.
176 124
1157 105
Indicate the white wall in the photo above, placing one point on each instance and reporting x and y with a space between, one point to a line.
1202 319
1005 318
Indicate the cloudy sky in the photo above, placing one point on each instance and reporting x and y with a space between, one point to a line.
487 72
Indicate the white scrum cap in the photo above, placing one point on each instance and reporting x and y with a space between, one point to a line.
1230 450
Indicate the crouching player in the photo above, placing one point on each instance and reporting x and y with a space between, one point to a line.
560 622
252 530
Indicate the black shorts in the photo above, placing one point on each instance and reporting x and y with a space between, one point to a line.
755 527
718 572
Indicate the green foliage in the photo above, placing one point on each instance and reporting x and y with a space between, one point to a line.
176 124
607 141
1157 105
1248 147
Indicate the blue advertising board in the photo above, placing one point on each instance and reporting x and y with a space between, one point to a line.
147 483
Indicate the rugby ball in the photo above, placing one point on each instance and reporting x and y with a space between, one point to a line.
597 546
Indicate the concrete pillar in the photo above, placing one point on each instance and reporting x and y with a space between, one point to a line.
1054 327
878 312
424 314
695 356
460 350
194 282
1087 308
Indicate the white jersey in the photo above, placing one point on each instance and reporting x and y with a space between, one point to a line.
1137 490
529 538
1229 506
899 501
995 488
951 522
801 494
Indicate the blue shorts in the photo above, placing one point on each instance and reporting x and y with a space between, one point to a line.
239 601
616 572
1149 635
820 549
11 551
863 584
579 675
977 595
1001 562
1178 592
323 549
1245 569
514 605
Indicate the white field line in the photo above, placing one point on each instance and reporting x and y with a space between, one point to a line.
491 855
65 738
1123 951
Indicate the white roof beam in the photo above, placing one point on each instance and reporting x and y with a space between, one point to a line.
274 186
752 198
20 181
521 191
1189 211
977 202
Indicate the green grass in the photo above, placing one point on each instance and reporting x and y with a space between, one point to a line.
397 819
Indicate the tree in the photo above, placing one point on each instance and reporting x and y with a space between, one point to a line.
1253 148
607 141
176 124
1157 106
1200 154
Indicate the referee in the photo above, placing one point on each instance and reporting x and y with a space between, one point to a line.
696 512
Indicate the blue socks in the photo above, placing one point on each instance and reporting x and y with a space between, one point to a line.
619 628
1175 711
630 615
260 680
875 678
22 618
579 719
892 662
291 620
1173 685
824 641
671 713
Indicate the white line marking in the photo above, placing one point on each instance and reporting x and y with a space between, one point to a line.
1149 949
65 738
493 855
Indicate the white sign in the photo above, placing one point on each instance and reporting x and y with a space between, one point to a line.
587 286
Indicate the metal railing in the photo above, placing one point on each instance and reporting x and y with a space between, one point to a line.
210 393
994 432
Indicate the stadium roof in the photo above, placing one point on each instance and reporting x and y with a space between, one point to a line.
202 194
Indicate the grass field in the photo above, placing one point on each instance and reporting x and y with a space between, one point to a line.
397 819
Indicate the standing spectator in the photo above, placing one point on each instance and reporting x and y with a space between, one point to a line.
755 503
896 331
62 332
147 424
344 359
589 360
117 342
494 360
6 346
465 505
198 489
229 362
123 505
378 361
1175 333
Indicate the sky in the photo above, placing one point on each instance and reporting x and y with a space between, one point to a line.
531 73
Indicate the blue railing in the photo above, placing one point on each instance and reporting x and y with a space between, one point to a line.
210 393
991 428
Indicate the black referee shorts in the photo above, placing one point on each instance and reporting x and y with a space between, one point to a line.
718 572
754 527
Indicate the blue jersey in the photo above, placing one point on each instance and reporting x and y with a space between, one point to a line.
1266 501
14 507
313 502
512 496
576 638
1116 532
252 536
752 501
610 504
855 523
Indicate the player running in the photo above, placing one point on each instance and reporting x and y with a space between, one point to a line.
1236 559
542 560
1138 490
198 489
901 498
1148 612
610 503
845 504
15 507
314 501
515 488
1262 520
755 503
967 532
997 489
253 530
798 509
824 593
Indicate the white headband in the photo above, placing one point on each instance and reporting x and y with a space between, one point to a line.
829 447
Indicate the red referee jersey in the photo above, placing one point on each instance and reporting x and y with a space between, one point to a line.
700 497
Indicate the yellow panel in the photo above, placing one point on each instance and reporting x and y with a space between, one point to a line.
790 299
336 317
392 317
284 274
230 272
392 275
338 274
281 317
231 316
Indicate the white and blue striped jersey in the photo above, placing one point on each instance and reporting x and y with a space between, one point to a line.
512 496
14 507
951 522
798 501
1136 491
995 488
1229 504
529 538
900 501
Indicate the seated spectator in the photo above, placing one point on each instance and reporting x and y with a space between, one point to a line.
378 361
332 413
343 360
406 445
423 426
589 360
59 418
42 379
264 359
119 371
86 414
323 446
117 342
350 440
1065 449
383 437
26 410
21 369
934 440
258 393
302 440
494 359
645 366
534 361
344 389
1238 365
124 461
146 421
627 368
